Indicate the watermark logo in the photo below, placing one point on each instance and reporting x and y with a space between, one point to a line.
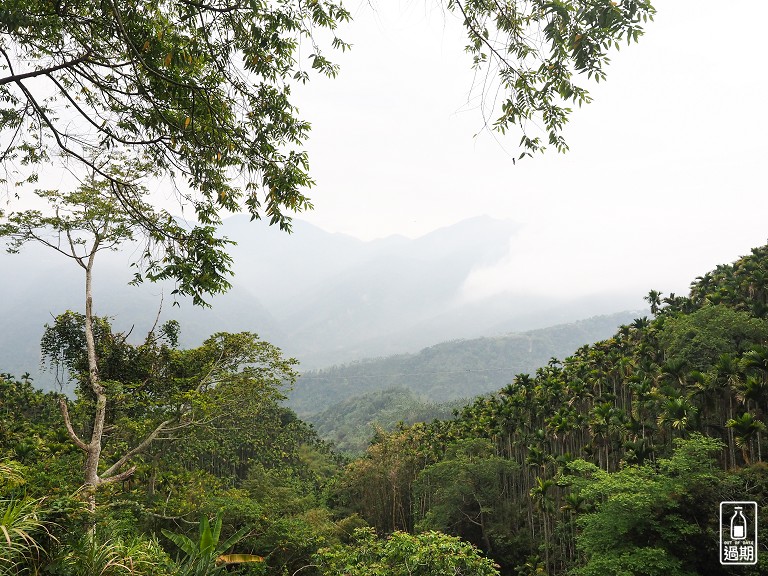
738 533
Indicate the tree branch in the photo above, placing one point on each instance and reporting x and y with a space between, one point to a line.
118 477
72 435
93 123
131 453
43 71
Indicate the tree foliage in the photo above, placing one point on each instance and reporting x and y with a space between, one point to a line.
612 460
698 338
650 521
536 49
464 493
402 554
201 88
195 91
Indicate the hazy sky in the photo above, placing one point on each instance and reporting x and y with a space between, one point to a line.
665 177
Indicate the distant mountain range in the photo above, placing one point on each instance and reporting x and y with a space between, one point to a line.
324 298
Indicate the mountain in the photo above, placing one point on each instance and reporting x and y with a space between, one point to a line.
323 298
350 425
459 369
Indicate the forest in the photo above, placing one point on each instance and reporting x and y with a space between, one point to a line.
610 461
170 460
442 368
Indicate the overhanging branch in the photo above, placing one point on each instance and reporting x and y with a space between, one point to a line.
42 71
107 476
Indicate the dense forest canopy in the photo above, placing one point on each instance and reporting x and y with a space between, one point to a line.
167 460
612 460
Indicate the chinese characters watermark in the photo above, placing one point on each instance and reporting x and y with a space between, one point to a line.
738 533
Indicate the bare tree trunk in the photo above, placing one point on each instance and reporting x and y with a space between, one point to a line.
93 454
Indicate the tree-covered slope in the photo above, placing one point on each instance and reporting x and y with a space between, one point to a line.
350 425
451 370
610 461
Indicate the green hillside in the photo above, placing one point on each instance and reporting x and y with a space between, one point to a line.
451 370
613 460
350 425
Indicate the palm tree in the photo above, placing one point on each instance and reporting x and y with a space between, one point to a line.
654 299
745 428
728 375
601 419
639 451
544 503
674 371
573 504
678 413
755 362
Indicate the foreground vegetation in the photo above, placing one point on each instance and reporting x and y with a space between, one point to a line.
611 461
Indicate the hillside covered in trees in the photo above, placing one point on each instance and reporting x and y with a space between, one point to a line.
610 461
350 425
454 370
347 404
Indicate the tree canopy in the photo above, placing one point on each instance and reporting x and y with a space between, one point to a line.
611 461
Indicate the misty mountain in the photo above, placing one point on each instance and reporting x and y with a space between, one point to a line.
324 298
459 369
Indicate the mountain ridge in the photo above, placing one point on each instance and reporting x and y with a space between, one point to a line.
451 370
324 298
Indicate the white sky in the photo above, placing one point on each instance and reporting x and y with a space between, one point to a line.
664 179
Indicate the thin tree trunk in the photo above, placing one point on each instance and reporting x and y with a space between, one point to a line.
93 453
731 442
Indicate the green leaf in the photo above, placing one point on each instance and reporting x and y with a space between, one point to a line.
187 546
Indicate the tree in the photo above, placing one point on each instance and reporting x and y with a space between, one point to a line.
654 299
200 88
696 341
461 494
426 554
379 486
746 428
537 47
82 224
200 92
648 520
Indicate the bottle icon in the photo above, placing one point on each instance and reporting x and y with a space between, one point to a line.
738 524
